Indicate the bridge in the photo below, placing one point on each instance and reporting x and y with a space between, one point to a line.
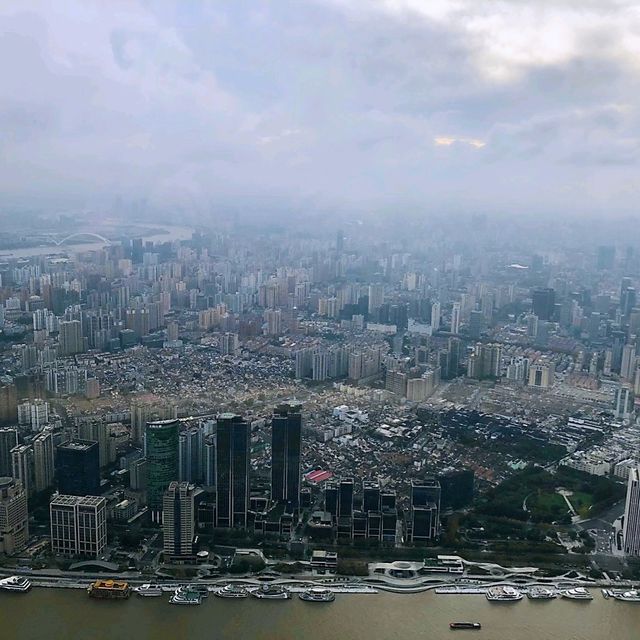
83 233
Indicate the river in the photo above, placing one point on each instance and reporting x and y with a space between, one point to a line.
168 234
67 614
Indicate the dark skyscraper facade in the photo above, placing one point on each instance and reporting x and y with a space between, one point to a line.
78 468
286 438
544 302
161 450
233 449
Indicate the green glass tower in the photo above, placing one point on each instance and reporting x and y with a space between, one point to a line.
161 447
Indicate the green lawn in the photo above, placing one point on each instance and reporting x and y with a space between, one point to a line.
547 505
581 502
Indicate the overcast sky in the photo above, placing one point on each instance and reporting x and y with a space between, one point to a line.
514 107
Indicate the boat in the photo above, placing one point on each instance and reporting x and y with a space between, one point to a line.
271 591
576 593
149 590
201 589
541 593
503 594
317 594
185 596
632 595
232 591
109 590
465 625
15 583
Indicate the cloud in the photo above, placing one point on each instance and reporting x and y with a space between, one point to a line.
328 104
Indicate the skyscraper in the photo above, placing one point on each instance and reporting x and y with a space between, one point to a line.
14 517
43 460
455 318
70 338
78 468
376 297
178 520
190 455
345 498
425 510
78 525
286 440
543 302
8 440
161 450
631 526
435 316
22 464
233 448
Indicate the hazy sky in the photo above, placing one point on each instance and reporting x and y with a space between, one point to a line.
521 106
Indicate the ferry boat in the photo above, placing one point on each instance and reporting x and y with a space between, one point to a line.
632 595
271 591
465 625
184 596
232 591
15 583
503 594
109 590
541 593
149 590
317 594
576 593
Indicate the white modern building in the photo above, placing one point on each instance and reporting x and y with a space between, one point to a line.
631 527
78 525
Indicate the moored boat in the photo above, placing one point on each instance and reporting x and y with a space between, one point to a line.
271 591
576 593
15 583
184 596
232 591
149 590
465 625
317 594
109 590
632 595
504 593
541 593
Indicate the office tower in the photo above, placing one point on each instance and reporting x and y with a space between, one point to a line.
627 301
14 516
286 442
435 316
376 297
70 340
22 466
161 451
425 510
210 461
623 402
454 348
178 520
43 460
476 324
455 318
8 404
78 468
190 453
345 498
8 440
78 525
331 498
543 303
339 241
631 524
370 496
233 449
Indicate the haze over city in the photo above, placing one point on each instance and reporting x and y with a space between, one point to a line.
200 108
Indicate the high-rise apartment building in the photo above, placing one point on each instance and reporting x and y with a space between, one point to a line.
233 449
22 466
455 318
8 440
78 525
70 338
178 520
14 516
286 442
